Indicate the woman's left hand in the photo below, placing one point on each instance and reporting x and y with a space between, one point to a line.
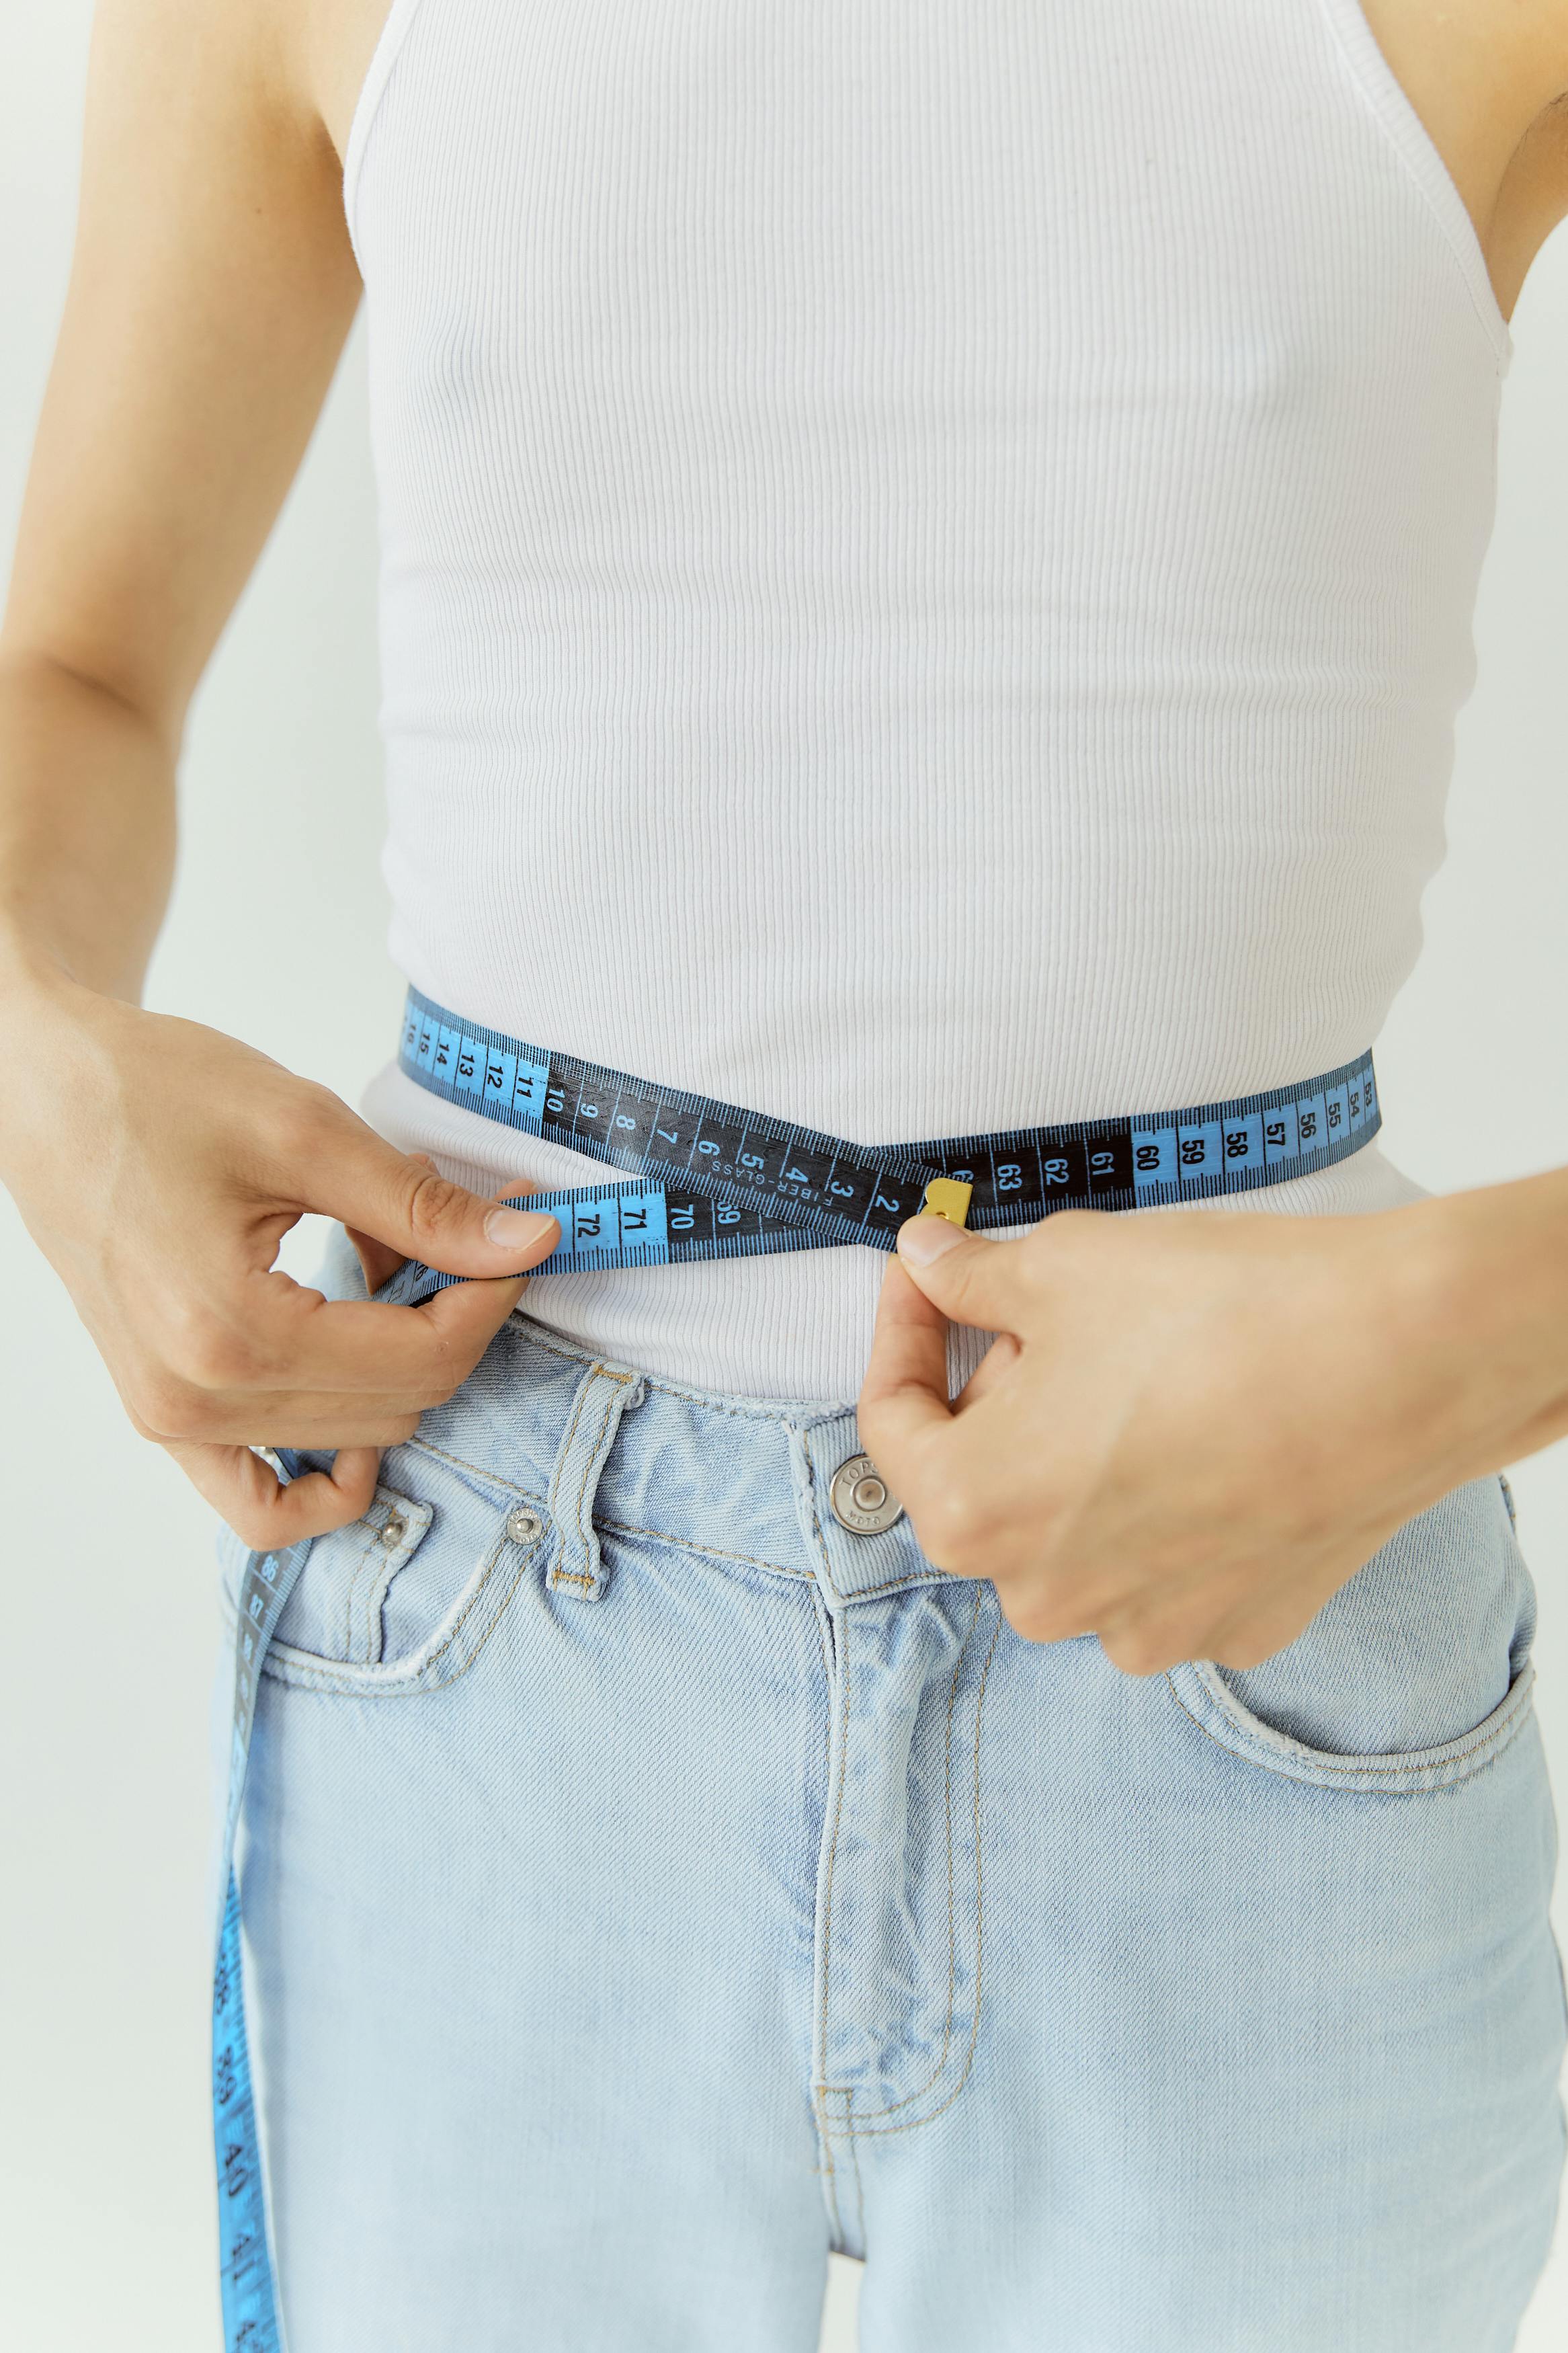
1192 1427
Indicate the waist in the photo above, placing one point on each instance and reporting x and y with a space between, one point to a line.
780 1328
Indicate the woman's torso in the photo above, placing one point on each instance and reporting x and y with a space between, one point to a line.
928 562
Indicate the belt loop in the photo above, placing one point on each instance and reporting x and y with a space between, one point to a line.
603 1395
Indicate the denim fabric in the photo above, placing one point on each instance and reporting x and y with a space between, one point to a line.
648 1884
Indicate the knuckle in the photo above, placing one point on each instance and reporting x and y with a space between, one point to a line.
874 1434
171 1409
253 1532
1037 1617
1240 1656
1029 1623
965 1515
1137 1653
441 1382
435 1204
154 1402
300 1120
944 1530
138 1404
204 1351
215 1356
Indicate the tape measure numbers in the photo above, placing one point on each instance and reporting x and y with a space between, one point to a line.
718 1181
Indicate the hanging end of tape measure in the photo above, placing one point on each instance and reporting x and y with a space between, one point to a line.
946 1198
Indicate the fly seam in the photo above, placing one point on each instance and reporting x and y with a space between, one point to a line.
913 2123
894 2105
833 1845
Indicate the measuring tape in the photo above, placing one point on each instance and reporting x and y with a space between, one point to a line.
714 1181
250 2304
718 1181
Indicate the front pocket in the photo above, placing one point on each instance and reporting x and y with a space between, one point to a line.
338 1607
1414 1674
402 1599
1214 1707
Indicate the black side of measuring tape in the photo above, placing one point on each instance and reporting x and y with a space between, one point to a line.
714 1181
718 1181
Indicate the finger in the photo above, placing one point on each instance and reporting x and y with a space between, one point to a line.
266 1515
973 1277
419 1355
271 1338
315 1424
903 1400
380 1261
990 1373
397 1199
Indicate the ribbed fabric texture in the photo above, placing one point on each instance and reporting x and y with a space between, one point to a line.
928 553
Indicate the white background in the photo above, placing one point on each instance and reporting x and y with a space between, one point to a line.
107 1606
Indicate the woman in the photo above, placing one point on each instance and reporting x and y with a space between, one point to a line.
929 556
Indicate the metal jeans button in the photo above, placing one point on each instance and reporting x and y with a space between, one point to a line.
393 1532
861 1498
524 1526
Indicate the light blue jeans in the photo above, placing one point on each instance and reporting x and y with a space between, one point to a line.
649 1885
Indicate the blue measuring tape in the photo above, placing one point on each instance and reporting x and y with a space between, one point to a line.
718 1181
714 1181
250 2304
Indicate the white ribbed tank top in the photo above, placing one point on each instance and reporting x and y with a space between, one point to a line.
927 559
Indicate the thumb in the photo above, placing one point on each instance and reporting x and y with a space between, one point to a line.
903 1403
971 1277
398 1198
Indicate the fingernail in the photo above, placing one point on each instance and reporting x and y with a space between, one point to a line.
519 1230
923 1238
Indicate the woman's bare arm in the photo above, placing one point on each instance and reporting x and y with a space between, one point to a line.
212 288
157 1163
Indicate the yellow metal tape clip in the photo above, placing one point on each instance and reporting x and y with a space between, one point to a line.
946 1198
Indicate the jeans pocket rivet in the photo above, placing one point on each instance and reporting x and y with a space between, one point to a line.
524 1528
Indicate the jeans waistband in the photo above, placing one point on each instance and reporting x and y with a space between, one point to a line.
594 1440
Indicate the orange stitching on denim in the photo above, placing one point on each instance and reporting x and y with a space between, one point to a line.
914 2122
309 1678
830 2177
713 1552
894 2105
818 2109
931 1575
464 1614
851 2127
604 1439
1415 1779
1445 1754
842 1640
552 1501
389 1566
564 1447
460 1462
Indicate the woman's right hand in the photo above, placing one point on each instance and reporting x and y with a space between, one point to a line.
158 1166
